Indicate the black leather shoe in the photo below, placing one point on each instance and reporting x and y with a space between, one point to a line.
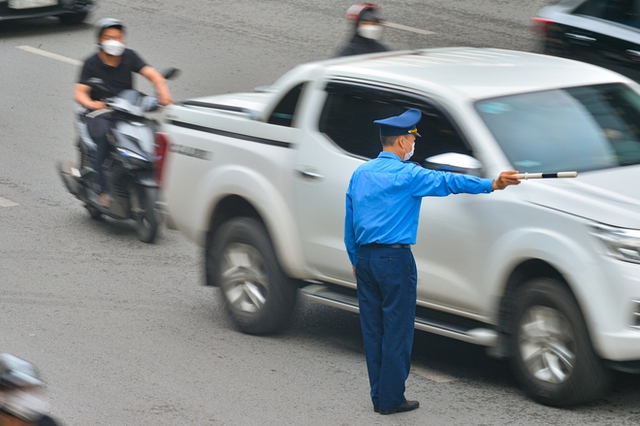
376 408
405 406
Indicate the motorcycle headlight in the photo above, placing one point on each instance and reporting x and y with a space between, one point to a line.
130 154
621 243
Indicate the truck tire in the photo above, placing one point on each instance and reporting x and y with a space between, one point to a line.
257 294
551 352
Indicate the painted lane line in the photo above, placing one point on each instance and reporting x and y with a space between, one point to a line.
432 375
50 55
7 203
406 28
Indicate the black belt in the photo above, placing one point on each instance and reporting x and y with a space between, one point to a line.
393 246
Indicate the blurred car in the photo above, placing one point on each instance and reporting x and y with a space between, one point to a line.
68 11
546 274
601 32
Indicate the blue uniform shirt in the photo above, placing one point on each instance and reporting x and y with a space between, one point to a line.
384 198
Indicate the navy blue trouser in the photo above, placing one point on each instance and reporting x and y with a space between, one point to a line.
98 128
387 279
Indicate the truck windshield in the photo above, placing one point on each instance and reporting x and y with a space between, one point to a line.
576 129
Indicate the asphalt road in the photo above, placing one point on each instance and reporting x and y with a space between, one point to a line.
123 332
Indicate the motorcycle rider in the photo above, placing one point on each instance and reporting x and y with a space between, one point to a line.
19 403
367 30
114 64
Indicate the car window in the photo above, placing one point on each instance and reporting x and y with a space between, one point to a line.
575 129
348 115
623 12
284 112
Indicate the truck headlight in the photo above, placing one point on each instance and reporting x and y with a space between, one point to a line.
621 243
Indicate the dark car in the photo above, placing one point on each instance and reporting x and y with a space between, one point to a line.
68 11
601 32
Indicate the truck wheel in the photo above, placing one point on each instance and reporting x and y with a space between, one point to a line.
148 220
257 294
551 352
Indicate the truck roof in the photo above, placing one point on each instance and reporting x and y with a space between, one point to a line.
474 73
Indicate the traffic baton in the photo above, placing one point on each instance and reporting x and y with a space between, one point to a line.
560 175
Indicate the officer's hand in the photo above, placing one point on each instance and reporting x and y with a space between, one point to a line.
96 105
505 179
354 271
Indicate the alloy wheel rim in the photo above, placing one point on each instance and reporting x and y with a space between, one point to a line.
244 277
547 344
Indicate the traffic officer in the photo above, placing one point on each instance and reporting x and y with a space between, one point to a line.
382 211
367 30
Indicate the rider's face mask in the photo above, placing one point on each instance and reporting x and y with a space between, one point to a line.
112 47
370 31
25 405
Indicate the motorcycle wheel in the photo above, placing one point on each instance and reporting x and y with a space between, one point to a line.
148 219
94 212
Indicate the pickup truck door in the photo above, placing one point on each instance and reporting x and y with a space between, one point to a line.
339 135
321 173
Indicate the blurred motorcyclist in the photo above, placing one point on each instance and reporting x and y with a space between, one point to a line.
114 64
20 404
367 26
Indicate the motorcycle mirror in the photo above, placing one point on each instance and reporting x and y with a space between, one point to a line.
171 73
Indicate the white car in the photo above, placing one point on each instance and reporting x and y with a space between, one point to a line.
546 273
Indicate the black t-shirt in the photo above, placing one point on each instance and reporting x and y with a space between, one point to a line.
116 79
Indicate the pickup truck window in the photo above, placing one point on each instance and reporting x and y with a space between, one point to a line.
578 128
284 112
348 115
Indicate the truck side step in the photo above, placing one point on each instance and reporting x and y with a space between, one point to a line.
426 319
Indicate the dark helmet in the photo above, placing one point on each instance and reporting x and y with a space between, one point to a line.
363 12
105 23
17 373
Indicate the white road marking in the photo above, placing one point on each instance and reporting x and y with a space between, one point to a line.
7 203
406 28
432 375
50 55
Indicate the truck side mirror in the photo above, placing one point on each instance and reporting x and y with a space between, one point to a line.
454 162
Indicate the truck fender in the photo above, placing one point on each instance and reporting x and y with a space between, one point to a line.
242 181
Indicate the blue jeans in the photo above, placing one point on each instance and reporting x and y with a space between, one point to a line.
387 279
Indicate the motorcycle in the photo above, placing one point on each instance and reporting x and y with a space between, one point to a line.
131 169
21 402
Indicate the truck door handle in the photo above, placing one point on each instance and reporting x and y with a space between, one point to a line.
580 37
309 174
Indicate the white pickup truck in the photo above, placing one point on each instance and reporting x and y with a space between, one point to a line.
546 273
